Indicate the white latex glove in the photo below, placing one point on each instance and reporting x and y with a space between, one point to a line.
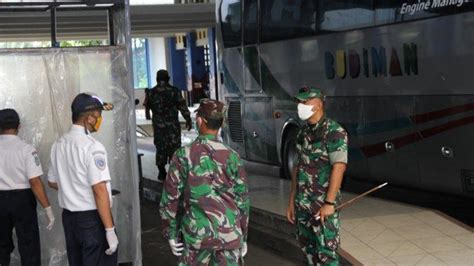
243 250
176 248
112 240
50 215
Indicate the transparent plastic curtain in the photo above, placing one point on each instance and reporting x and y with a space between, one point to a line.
41 84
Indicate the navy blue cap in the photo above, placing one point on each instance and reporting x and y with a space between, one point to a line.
9 119
85 102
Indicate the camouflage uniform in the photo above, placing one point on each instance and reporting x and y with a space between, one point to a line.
318 147
207 183
164 101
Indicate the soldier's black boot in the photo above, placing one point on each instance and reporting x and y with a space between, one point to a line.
161 174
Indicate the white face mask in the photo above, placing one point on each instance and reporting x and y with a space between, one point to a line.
305 111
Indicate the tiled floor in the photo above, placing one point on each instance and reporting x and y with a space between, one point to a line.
374 231
380 232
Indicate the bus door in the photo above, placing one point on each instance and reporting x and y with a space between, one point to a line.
391 139
259 130
229 36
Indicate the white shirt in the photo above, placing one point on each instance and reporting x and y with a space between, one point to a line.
78 162
19 162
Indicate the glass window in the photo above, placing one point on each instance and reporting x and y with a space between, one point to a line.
250 21
140 63
230 12
286 19
340 15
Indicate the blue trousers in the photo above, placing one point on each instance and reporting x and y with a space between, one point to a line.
85 239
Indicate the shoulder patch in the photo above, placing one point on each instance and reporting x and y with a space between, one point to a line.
36 157
100 162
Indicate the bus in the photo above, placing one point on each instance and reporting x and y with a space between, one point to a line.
398 75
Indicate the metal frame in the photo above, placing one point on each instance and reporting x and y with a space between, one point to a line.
54 6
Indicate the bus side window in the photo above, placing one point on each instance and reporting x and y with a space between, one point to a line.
345 15
230 16
250 21
287 19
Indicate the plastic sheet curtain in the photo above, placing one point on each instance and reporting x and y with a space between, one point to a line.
41 84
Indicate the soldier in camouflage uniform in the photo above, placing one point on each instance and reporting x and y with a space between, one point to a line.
316 179
207 184
164 101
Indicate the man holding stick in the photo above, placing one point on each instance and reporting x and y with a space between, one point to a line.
322 158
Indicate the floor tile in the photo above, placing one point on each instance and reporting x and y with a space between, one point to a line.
407 249
456 257
387 248
377 262
417 231
350 224
387 236
467 239
430 260
397 220
436 244
449 228
348 240
429 217
407 260
364 252
367 230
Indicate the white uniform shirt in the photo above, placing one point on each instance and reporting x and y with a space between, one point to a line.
19 162
78 162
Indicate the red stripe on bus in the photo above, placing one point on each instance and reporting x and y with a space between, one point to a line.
379 148
426 117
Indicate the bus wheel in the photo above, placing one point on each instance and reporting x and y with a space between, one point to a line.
289 153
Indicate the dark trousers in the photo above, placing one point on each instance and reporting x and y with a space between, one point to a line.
18 210
85 239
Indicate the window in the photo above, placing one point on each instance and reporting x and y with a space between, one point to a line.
230 13
250 21
286 19
340 15
140 63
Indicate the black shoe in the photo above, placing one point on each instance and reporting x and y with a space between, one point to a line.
161 174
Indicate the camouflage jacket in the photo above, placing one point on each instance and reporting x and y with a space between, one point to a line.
207 179
164 102
318 147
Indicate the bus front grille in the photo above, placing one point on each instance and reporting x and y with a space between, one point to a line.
235 122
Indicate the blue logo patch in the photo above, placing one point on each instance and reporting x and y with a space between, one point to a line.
100 163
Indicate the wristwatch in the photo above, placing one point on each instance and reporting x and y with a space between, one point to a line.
330 202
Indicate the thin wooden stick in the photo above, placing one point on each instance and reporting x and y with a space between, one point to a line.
357 198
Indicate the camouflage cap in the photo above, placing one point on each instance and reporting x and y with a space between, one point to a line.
211 109
306 93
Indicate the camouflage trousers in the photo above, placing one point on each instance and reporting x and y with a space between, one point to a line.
167 140
206 257
319 242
